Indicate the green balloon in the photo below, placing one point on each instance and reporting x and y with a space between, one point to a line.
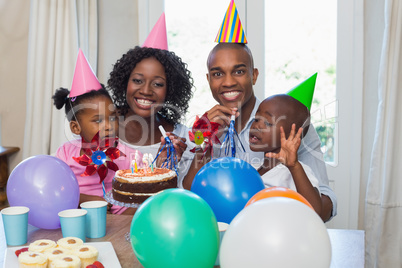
175 228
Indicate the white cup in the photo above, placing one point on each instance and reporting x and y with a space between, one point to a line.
223 226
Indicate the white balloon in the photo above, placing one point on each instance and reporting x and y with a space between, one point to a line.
276 232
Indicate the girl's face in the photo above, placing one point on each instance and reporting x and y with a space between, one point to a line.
97 115
147 87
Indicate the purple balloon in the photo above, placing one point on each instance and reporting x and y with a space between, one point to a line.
47 186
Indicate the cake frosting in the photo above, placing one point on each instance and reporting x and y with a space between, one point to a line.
69 242
136 187
88 254
53 253
66 261
32 259
41 245
145 175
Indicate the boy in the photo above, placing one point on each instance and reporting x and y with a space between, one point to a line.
277 115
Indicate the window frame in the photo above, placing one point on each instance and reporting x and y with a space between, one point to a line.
345 173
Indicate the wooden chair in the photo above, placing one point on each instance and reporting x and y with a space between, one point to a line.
4 153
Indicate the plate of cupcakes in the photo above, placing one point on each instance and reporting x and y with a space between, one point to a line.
66 252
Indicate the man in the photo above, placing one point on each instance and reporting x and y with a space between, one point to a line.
231 76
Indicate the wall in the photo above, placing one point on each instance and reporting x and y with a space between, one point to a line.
14 21
118 32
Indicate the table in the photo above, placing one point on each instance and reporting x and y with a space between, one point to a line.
347 245
347 248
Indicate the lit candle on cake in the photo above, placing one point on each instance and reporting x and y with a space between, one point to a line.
151 161
134 166
145 161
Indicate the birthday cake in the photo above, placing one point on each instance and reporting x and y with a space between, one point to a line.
136 187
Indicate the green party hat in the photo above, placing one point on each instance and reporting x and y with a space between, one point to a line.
304 91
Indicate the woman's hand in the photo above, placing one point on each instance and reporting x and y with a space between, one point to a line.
179 145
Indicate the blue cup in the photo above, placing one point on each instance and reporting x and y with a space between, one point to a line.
96 218
15 221
72 223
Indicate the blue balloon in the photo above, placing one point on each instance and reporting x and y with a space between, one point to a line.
227 184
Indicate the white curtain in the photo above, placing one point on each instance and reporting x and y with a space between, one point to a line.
57 29
383 216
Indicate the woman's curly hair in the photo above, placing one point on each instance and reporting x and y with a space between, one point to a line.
178 78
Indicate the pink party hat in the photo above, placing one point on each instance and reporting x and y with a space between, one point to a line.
157 38
84 79
231 30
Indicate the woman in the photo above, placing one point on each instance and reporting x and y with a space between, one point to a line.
151 88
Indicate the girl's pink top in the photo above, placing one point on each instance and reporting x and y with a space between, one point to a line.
90 184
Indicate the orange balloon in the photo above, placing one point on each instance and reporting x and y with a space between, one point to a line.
278 192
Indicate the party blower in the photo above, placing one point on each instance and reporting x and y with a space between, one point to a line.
171 155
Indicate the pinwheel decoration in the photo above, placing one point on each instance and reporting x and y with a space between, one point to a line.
204 131
198 137
98 156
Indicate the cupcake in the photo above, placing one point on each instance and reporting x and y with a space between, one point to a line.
32 260
41 245
70 242
53 253
88 254
66 261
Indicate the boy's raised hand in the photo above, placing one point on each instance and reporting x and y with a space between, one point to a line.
288 153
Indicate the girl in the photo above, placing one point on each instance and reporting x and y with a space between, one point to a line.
88 114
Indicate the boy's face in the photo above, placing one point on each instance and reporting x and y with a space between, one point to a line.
231 76
147 87
264 133
98 114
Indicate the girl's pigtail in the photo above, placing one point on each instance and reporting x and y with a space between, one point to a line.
60 98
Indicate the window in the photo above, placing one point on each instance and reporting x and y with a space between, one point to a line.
296 47
337 43
191 34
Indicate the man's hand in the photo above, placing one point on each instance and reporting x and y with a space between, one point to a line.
221 115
